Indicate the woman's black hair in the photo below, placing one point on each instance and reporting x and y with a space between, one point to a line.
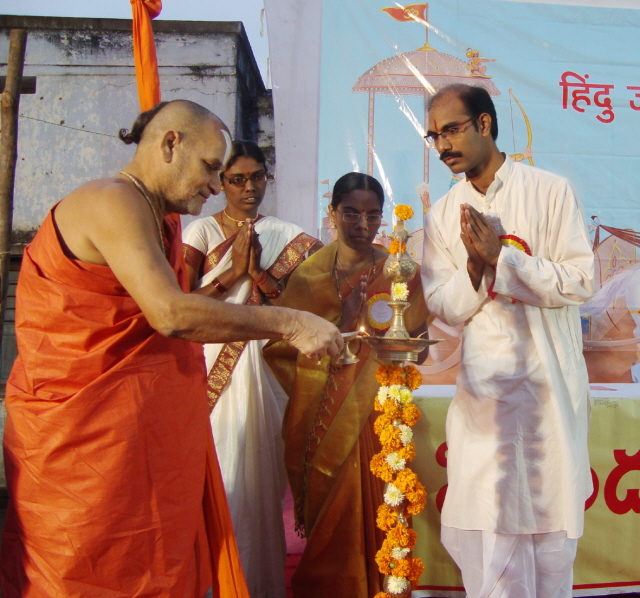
245 149
354 181
139 125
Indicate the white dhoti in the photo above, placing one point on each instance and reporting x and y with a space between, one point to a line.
512 565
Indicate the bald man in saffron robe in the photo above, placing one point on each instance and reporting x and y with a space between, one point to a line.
114 483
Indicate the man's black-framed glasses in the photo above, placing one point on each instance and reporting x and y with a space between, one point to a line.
354 217
240 181
448 132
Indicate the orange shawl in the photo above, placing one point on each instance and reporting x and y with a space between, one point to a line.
108 449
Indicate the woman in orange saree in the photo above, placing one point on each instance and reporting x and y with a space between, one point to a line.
328 425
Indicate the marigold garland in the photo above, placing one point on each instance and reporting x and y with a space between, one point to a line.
404 494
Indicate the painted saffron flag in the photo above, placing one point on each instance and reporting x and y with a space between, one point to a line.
410 12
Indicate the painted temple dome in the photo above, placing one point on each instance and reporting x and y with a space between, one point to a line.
403 74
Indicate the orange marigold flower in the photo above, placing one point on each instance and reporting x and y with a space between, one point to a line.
402 568
383 595
417 499
393 411
412 376
403 212
383 560
417 569
396 247
410 415
390 439
408 453
383 374
382 421
406 481
387 518
415 509
380 468
402 536
396 375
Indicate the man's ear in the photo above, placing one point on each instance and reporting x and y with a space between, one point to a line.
168 146
485 124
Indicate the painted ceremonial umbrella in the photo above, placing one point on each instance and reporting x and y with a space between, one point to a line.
421 72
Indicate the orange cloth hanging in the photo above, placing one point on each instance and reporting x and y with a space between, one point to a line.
144 52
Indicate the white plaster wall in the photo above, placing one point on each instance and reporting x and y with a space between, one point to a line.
85 80
294 48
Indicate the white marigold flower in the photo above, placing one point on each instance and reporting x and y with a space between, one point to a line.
406 434
393 497
406 396
399 553
383 394
395 461
397 585
399 291
394 392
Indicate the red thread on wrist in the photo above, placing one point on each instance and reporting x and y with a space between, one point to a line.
221 288
275 293
261 280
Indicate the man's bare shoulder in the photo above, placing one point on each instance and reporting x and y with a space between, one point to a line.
97 195
98 210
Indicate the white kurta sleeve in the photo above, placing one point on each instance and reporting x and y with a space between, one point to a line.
566 278
448 291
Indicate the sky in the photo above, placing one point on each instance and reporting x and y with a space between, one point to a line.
247 11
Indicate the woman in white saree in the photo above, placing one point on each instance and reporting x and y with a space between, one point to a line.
237 255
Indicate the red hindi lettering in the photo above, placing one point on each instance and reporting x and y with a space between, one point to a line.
596 488
607 115
631 502
441 455
442 493
633 105
582 92
441 459
577 95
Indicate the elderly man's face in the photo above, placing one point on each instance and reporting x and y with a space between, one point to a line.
197 168
458 139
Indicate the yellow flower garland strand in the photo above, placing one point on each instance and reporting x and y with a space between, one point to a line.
395 402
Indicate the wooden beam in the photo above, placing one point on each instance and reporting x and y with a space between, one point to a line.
9 106
28 85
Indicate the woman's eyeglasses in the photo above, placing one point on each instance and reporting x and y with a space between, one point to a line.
354 217
241 181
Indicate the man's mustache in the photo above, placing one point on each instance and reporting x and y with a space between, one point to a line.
445 155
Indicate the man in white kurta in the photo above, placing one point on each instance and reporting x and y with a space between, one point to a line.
507 254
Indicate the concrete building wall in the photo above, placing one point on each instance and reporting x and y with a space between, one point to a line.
86 91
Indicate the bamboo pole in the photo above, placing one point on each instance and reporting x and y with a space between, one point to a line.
8 154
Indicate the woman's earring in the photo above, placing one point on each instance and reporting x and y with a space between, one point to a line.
333 224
